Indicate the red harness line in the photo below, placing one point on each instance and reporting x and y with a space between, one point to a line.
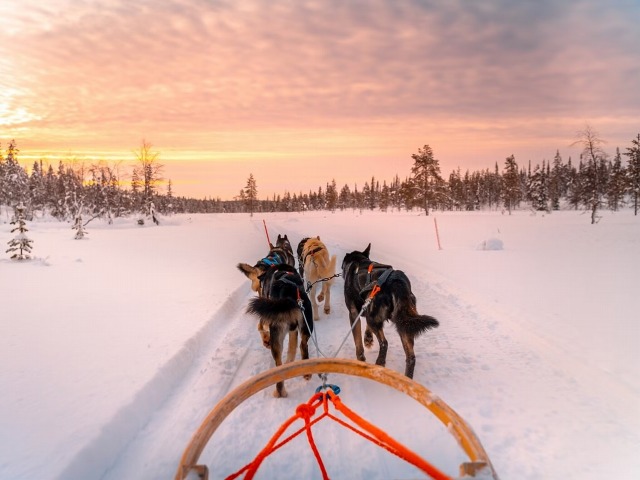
306 411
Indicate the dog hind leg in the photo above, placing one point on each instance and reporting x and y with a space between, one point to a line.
378 331
293 345
326 296
304 350
357 334
368 337
410 356
277 342
314 302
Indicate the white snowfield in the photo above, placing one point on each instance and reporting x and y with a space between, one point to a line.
114 348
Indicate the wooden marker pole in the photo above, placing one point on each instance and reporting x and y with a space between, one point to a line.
266 231
435 222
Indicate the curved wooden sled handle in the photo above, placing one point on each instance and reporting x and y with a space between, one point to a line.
462 432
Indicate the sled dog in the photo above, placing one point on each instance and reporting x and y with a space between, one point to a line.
279 313
394 301
315 263
281 253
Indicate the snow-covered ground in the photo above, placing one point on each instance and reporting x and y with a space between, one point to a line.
114 348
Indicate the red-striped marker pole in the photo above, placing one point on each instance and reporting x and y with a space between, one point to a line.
266 232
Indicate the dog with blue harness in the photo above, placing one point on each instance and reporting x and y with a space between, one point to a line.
279 254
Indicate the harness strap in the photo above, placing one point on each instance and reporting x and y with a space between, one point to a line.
303 259
376 284
284 279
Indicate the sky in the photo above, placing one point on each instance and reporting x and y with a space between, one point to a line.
298 93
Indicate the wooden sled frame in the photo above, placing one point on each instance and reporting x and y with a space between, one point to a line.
478 459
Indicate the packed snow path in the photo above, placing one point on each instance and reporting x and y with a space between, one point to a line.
543 407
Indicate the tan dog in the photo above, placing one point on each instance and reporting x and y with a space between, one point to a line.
315 262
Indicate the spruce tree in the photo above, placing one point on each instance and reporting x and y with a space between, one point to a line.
633 173
511 192
20 246
250 194
617 183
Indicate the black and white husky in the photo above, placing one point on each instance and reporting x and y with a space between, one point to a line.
282 308
394 301
280 253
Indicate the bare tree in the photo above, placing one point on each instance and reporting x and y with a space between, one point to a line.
595 175
148 172
148 169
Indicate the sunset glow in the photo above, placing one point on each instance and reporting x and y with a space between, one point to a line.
300 93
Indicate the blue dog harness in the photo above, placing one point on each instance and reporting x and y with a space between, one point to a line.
272 259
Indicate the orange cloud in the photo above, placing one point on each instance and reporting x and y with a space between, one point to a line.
355 86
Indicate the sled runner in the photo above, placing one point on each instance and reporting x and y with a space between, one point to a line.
477 465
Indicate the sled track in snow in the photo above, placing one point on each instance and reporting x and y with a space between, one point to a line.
101 453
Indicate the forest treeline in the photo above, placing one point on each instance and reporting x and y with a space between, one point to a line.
593 181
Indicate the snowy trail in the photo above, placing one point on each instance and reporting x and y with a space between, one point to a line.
485 360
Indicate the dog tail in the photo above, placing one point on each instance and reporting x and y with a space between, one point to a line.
274 311
405 315
332 265
415 325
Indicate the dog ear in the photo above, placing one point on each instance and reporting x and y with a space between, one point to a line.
366 251
279 238
285 237
253 274
318 237
248 270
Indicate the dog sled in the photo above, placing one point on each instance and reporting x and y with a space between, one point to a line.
477 466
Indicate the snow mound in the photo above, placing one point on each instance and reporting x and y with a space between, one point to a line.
491 244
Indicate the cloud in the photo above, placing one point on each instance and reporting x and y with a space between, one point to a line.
196 72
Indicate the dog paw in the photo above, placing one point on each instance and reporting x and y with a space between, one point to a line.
280 394
368 339
327 310
307 377
321 298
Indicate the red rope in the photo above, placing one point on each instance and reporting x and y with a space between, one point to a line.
372 433
390 443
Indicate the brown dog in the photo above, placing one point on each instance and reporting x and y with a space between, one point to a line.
315 263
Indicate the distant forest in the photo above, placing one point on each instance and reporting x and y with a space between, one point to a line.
591 182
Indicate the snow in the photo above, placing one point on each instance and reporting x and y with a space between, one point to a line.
113 348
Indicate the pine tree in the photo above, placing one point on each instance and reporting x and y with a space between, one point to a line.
20 245
332 196
633 173
617 182
344 200
250 193
512 193
426 177
538 188
556 182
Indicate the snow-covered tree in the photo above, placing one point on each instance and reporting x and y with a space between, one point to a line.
633 173
617 183
511 193
20 246
538 188
78 225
